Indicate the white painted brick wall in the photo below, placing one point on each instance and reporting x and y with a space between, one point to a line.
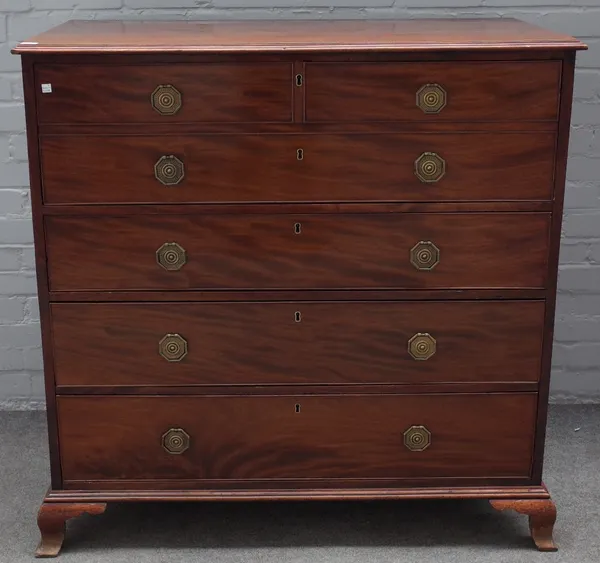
576 374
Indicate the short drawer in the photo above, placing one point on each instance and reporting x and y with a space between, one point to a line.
304 168
410 250
303 437
296 343
432 91
211 92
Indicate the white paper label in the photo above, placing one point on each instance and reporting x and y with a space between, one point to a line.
46 88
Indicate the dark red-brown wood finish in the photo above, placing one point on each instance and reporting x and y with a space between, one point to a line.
309 343
289 437
451 36
479 91
251 92
41 266
254 168
298 251
559 190
362 304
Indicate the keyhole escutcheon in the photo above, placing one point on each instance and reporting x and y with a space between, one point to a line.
297 408
298 316
300 154
297 228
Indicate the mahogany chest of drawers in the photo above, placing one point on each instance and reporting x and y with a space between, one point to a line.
311 260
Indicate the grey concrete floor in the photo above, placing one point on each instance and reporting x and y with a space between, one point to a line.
368 532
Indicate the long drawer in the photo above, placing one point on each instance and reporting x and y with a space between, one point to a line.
238 438
296 343
164 93
284 168
410 250
432 91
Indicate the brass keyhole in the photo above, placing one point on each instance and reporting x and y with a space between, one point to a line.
300 154
298 316
297 228
297 408
298 80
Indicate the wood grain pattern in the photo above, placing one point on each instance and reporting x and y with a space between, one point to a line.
542 516
265 168
264 343
101 93
476 91
236 252
104 301
52 517
282 37
264 437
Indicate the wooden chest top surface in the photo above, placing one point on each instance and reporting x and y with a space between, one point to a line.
295 36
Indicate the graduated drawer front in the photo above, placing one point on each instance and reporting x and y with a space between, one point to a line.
211 92
257 437
461 91
269 168
420 250
296 343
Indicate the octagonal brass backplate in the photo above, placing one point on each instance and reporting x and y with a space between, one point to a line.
169 170
417 438
430 167
422 346
173 347
175 441
431 98
425 255
166 99
171 256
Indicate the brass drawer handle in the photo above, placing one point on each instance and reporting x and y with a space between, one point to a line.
175 441
173 347
430 167
425 255
417 438
171 256
166 99
422 346
169 170
431 98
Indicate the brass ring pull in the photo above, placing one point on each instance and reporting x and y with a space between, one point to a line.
431 98
422 346
175 441
417 438
169 170
173 347
430 167
171 256
425 255
166 99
